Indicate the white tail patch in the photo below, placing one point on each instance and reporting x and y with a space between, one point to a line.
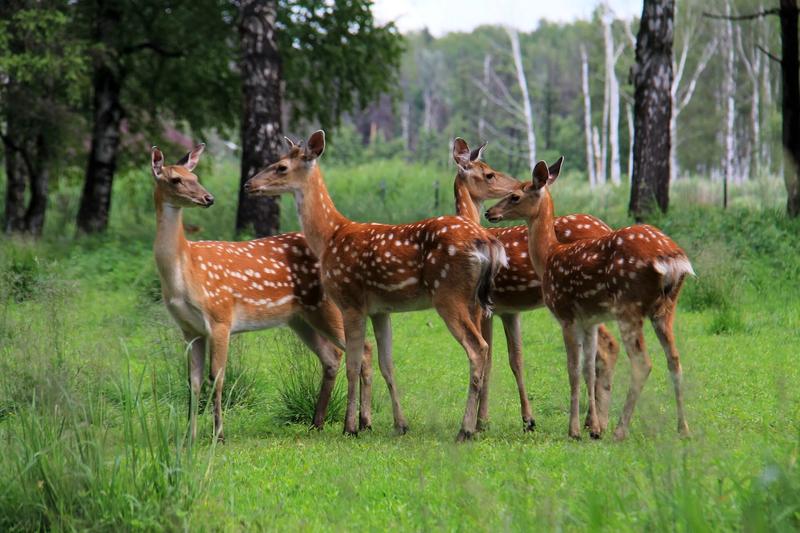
673 268
500 254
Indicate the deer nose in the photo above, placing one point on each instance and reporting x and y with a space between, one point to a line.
209 200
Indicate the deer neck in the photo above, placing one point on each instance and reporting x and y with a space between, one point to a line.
541 235
170 246
466 206
319 217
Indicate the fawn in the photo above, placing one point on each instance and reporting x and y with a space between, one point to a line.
373 270
214 289
518 288
626 275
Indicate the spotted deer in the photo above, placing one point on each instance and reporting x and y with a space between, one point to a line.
373 270
518 288
626 275
214 289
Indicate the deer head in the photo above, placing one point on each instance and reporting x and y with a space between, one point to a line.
526 200
176 185
290 173
481 180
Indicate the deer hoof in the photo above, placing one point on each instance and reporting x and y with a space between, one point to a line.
595 434
528 425
620 434
365 424
464 436
483 425
402 429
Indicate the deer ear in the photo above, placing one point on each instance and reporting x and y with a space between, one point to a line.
477 153
191 159
316 144
156 162
461 152
554 170
540 175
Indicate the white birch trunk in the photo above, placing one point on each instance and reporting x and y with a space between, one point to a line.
487 72
587 117
613 98
629 110
729 94
526 101
600 177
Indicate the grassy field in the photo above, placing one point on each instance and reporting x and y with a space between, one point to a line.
93 394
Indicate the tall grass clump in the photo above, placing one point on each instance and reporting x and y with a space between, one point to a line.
298 387
83 464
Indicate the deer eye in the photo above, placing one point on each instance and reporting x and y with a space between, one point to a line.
490 176
282 168
175 180
514 199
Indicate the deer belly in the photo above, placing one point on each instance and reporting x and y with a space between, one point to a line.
394 302
264 314
188 316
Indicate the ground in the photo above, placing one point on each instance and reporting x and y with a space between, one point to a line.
92 398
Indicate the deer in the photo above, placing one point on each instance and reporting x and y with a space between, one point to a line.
214 289
626 275
518 288
373 270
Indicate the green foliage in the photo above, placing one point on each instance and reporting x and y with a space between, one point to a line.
335 57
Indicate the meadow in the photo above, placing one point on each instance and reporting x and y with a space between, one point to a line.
93 391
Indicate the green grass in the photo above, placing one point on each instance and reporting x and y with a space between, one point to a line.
93 392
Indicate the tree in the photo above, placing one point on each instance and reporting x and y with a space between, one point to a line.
789 60
331 58
526 100
261 110
152 61
652 81
42 74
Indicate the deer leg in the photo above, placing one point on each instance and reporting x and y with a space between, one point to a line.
382 326
607 353
483 401
365 412
354 324
462 326
641 365
329 357
511 326
572 342
196 362
590 375
663 328
220 338
327 320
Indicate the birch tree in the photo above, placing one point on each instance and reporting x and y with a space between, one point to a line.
683 90
611 106
587 117
516 53
729 96
752 63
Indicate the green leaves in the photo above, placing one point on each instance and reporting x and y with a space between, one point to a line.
335 58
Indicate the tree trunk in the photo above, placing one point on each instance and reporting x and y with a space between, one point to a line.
729 94
16 172
587 117
631 133
790 105
526 100
613 100
106 118
261 113
39 179
652 80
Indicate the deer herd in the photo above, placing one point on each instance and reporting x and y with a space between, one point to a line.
325 282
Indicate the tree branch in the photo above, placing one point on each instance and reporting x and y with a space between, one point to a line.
770 54
750 16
